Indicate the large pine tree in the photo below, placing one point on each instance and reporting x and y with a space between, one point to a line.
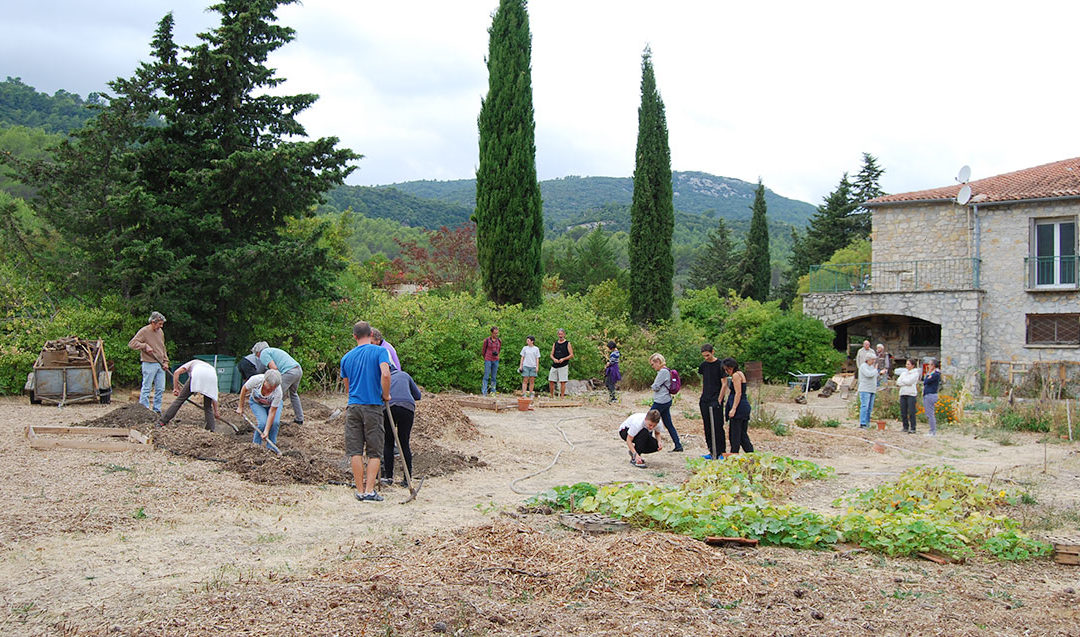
652 212
867 186
176 195
756 267
715 264
509 217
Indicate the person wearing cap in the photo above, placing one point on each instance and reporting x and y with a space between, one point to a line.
265 401
202 379
150 343
291 372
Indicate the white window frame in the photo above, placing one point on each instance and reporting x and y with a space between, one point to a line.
1056 222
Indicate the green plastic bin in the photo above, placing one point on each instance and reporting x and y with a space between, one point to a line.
228 374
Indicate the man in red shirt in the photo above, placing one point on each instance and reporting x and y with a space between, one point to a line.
490 350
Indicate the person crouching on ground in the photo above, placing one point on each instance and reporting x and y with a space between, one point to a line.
639 432
403 396
202 379
265 402
365 369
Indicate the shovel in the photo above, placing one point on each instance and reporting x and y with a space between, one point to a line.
404 465
267 440
217 419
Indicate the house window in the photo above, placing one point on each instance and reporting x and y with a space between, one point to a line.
1055 253
1053 329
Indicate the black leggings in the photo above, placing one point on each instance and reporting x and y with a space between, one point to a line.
907 412
644 441
739 436
403 418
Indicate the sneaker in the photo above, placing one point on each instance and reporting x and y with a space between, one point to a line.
404 483
298 422
677 448
707 456
160 424
386 481
930 435
639 465
369 497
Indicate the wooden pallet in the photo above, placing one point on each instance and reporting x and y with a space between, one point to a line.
1066 549
491 404
136 441
592 523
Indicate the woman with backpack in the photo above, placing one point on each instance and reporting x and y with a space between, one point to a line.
664 385
738 406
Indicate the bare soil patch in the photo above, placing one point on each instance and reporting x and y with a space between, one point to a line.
312 453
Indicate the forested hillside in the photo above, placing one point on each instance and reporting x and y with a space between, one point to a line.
23 105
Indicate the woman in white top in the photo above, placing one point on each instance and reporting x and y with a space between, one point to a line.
265 403
529 363
868 375
202 379
906 381
639 432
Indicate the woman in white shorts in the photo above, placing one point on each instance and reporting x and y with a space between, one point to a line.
530 362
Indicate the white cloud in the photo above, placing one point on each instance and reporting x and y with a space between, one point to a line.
792 92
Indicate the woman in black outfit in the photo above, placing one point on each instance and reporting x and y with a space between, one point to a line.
738 406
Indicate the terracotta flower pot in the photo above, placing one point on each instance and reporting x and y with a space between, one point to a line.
524 404
881 425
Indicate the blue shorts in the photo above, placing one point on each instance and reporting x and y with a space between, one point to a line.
528 371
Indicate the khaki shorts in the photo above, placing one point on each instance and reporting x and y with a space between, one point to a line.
364 428
559 374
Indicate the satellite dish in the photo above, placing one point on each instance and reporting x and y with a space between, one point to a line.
965 174
964 195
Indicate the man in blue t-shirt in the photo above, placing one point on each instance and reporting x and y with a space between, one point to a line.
366 372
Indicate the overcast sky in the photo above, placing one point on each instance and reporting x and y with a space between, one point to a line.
792 92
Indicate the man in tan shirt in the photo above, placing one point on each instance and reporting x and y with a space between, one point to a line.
150 342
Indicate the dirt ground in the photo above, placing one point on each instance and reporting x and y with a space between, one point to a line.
158 542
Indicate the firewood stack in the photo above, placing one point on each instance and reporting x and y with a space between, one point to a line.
70 350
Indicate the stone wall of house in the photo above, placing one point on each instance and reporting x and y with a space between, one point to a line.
957 312
1005 241
921 231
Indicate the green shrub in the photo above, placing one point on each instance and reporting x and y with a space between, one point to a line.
744 321
831 423
763 417
1022 417
705 309
808 419
793 342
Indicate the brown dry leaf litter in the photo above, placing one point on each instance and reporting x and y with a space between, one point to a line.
503 578
516 579
312 453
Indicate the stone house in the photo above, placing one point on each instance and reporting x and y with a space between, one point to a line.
994 279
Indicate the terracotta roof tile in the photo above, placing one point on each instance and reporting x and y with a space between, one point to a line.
1059 179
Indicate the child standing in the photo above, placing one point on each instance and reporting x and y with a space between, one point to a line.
611 370
530 361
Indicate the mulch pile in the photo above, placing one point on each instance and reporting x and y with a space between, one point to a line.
501 578
312 453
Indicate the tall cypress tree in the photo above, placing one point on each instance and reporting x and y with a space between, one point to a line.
756 268
509 217
652 212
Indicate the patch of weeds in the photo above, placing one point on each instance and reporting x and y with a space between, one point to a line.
659 474
268 538
526 596
764 417
831 423
1006 597
591 578
902 594
780 429
691 415
768 562
486 509
732 605
808 420
139 513
22 612
114 468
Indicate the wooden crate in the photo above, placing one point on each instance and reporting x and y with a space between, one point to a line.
136 441
1066 549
